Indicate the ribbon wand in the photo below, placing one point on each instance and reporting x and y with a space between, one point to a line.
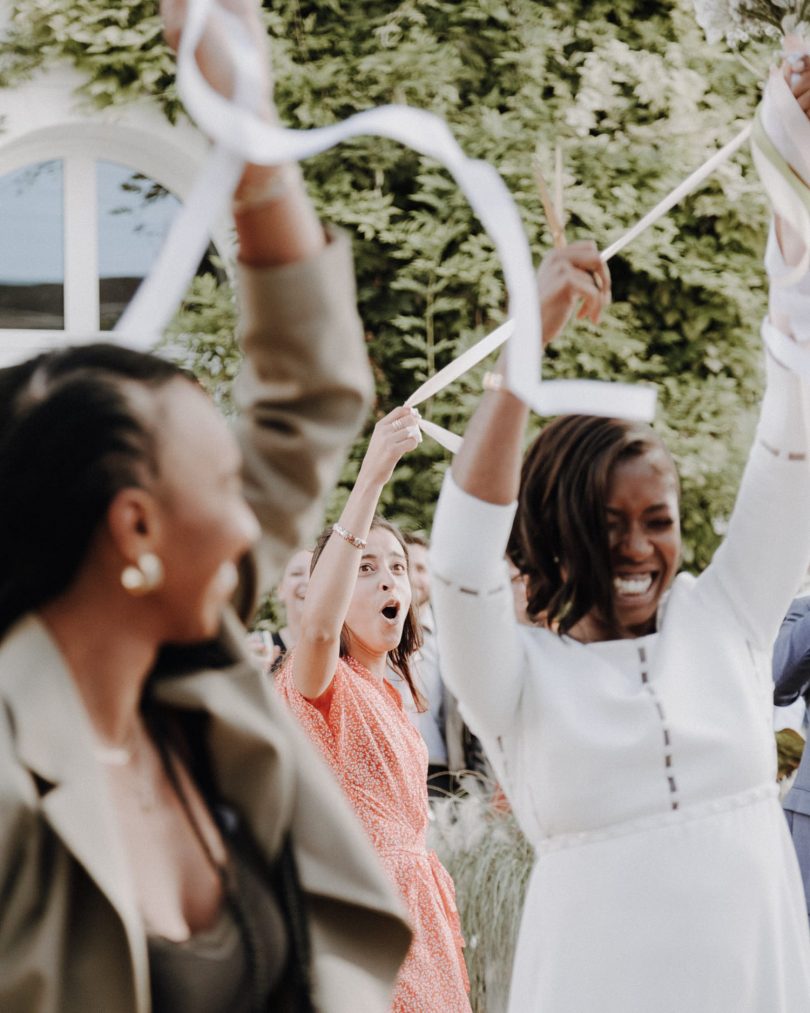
553 208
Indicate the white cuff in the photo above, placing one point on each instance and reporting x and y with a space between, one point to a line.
786 125
781 429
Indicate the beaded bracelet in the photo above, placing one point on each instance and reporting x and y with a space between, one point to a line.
347 536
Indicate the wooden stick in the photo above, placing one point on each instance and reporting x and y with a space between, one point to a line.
555 223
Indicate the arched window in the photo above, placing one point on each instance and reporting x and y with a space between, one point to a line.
85 205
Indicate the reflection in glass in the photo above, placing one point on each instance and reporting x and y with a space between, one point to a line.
134 216
32 270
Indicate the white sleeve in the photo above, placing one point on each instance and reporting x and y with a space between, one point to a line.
765 554
480 655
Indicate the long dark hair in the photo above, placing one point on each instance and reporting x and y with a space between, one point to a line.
559 539
72 434
411 640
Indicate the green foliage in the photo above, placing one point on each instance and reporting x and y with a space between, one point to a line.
117 47
789 749
201 337
637 99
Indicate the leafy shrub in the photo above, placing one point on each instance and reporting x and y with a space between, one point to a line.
636 98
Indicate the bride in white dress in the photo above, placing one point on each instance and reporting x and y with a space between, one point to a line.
631 726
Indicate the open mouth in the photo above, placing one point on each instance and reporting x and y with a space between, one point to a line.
633 585
391 611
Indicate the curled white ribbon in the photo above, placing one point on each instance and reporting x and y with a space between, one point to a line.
781 148
787 129
476 353
240 135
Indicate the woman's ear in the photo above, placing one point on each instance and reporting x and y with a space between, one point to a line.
133 522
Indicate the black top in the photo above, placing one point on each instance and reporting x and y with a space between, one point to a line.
233 966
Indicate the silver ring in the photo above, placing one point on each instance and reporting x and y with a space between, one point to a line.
399 423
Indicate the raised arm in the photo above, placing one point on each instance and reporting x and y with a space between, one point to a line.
333 579
305 385
488 464
475 618
767 548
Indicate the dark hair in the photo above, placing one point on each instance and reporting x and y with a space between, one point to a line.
561 518
72 434
411 639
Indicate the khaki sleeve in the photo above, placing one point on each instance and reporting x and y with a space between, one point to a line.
26 950
302 394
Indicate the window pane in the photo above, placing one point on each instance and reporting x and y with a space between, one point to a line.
134 216
32 271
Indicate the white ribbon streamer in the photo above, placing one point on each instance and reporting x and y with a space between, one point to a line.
459 366
241 135
678 194
789 300
789 353
781 148
788 130
635 395
159 295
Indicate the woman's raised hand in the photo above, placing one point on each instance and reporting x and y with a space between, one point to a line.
214 52
394 435
572 276
796 71
797 75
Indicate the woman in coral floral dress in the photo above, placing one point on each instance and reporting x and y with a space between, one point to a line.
357 620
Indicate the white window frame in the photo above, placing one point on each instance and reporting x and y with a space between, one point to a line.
79 146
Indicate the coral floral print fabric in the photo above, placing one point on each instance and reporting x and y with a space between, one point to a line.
380 760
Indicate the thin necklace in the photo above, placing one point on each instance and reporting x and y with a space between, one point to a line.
116 756
141 777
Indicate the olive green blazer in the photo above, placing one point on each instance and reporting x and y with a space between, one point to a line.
71 936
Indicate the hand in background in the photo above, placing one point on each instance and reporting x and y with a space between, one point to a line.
266 654
394 435
570 276
213 52
797 75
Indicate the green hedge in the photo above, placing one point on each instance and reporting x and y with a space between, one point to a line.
636 98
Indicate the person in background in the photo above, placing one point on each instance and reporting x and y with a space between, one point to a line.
791 675
168 842
453 750
430 721
291 592
359 623
270 648
420 576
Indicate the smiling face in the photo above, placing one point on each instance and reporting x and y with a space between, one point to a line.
293 587
382 596
644 536
205 525
420 573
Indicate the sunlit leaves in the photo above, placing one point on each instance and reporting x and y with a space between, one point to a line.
637 99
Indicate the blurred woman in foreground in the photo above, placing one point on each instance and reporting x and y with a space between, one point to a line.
167 839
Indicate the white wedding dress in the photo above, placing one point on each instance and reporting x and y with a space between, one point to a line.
643 771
